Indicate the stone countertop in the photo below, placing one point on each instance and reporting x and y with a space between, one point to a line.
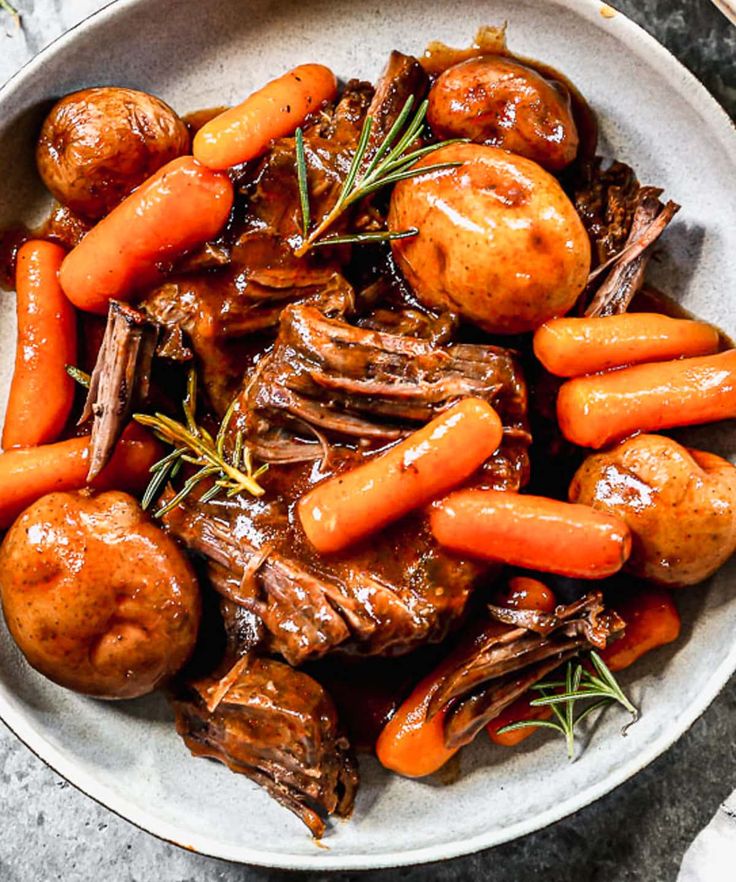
638 832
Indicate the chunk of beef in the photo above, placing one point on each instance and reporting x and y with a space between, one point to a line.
402 78
120 380
278 727
213 315
349 384
384 597
623 220
499 660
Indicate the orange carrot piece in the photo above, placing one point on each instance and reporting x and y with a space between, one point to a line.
572 347
594 411
41 393
524 592
179 207
244 132
651 619
28 474
532 532
411 745
516 712
437 457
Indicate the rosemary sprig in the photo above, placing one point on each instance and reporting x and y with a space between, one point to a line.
579 684
390 163
233 471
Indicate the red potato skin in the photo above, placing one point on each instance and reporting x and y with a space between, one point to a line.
497 101
97 145
244 132
532 532
96 596
437 457
41 392
28 474
181 206
679 503
573 347
597 410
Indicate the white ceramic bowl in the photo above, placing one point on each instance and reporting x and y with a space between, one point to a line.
654 115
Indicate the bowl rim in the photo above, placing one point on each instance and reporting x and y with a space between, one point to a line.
689 89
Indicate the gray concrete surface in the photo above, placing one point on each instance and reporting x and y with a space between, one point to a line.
49 831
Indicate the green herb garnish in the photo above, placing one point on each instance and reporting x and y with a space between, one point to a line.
579 685
232 470
390 164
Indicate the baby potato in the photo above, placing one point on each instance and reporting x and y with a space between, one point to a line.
98 145
680 505
497 101
96 596
499 242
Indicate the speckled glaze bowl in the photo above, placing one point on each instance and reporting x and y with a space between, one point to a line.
653 115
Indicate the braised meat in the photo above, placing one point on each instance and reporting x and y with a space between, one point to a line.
211 316
325 377
500 659
623 220
383 598
279 727
120 380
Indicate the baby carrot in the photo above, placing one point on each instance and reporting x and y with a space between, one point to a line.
523 592
594 411
30 473
519 710
651 619
437 457
532 532
182 205
571 347
244 132
410 744
41 393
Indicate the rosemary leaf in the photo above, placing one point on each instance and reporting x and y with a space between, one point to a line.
77 374
301 173
388 141
363 238
408 173
8 7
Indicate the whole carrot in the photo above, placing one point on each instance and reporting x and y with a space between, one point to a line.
651 619
30 473
41 393
410 744
594 411
532 532
181 206
437 457
244 132
572 347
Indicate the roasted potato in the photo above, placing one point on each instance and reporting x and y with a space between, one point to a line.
499 242
96 596
679 504
98 145
497 101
